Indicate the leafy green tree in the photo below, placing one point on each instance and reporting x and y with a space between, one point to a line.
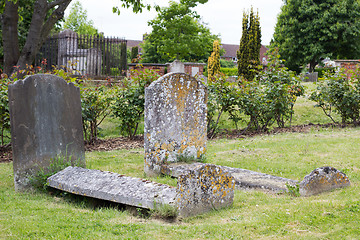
47 14
249 51
177 33
77 21
309 30
39 17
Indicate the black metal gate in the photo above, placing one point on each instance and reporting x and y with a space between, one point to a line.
90 56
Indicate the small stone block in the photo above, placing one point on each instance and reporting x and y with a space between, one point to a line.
321 180
204 188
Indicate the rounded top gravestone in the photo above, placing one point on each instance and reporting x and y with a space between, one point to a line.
175 120
45 117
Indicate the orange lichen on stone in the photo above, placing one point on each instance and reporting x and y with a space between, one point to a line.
207 189
175 119
323 179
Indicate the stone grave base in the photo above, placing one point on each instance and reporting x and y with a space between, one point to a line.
320 180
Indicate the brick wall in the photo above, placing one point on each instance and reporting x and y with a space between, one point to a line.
159 68
190 68
349 65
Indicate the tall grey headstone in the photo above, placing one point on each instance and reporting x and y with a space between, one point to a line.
175 120
45 117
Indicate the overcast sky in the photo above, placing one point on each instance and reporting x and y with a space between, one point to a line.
223 17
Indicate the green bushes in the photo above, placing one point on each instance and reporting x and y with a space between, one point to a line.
338 93
4 110
222 98
262 102
95 107
129 101
229 71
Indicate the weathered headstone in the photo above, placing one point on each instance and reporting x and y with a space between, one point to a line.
311 77
176 67
321 180
45 117
175 120
113 187
204 188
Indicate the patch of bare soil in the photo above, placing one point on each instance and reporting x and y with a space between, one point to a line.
233 134
115 144
138 141
5 153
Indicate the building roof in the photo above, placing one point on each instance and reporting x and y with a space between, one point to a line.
231 50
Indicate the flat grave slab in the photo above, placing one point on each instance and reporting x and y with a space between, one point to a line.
113 187
243 178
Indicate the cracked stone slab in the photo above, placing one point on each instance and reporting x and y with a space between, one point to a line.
113 187
243 178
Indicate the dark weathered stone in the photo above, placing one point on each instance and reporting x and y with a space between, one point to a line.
204 188
45 116
175 120
113 187
323 179
244 179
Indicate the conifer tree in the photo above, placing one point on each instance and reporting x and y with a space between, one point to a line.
214 61
123 58
134 54
249 51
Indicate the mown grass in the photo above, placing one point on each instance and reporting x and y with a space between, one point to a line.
254 215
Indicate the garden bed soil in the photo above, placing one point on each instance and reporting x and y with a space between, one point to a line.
138 142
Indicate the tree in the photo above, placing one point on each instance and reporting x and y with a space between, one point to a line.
249 50
45 14
77 21
309 30
134 54
123 58
214 61
177 33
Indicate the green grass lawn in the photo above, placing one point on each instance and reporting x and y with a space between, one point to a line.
254 215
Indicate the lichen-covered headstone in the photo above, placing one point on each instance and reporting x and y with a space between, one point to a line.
45 117
321 180
204 188
175 120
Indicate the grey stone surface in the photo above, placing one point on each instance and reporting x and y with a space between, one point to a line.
176 67
244 179
45 116
113 187
204 188
311 77
175 120
323 179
